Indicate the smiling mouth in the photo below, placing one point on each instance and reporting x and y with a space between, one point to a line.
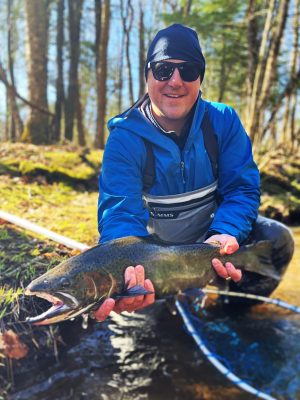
174 96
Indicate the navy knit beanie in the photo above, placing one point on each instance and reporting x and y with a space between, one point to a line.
177 42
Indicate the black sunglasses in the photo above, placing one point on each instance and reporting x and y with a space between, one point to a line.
163 70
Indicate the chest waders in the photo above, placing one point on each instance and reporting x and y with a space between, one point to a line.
185 217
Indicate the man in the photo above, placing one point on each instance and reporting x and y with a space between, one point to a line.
181 168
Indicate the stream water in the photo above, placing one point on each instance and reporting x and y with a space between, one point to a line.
149 356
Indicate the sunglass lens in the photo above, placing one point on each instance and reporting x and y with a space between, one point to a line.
162 71
189 72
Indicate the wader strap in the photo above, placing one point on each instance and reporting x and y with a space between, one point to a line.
149 171
210 143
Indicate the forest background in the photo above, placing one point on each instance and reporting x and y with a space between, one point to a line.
66 67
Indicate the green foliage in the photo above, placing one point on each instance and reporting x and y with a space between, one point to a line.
222 31
4 235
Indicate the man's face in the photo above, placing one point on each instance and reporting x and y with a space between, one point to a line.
173 99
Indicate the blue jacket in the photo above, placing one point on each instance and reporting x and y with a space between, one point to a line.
120 208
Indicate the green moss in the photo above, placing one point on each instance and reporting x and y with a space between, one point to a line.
28 167
95 158
295 185
4 235
62 158
56 164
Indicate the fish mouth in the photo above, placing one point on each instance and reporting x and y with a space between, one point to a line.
59 310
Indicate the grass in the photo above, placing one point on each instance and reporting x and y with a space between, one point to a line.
9 300
57 207
23 258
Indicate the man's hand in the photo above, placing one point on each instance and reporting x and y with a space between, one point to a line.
228 245
133 276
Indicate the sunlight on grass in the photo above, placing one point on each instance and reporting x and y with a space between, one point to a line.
56 207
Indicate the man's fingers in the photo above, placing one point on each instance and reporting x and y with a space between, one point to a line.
149 298
140 280
145 300
104 310
228 244
133 276
234 273
140 275
130 281
219 268
226 271
130 277
231 246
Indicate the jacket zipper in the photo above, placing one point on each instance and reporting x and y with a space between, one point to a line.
182 171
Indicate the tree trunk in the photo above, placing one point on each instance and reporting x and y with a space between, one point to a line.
120 74
223 72
273 54
253 45
14 126
71 104
290 87
37 18
288 132
101 75
141 49
98 28
60 95
10 127
187 8
98 19
252 125
6 127
79 118
265 73
127 21
294 142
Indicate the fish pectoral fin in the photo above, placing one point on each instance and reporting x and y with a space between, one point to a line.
134 291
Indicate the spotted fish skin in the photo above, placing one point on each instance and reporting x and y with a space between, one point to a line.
82 282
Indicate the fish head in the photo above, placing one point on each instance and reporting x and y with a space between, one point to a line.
71 293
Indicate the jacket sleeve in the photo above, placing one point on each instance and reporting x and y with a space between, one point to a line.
239 182
120 206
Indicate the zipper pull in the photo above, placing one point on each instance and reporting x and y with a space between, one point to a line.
182 170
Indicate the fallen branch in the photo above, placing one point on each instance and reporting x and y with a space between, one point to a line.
10 87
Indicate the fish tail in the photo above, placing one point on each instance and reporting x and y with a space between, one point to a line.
259 259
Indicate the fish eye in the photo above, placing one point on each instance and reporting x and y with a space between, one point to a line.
64 282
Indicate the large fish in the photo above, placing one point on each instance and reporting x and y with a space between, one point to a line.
81 284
